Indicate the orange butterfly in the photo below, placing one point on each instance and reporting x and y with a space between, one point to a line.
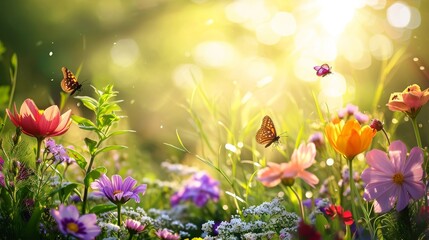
267 133
69 84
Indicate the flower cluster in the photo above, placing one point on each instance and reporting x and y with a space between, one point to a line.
200 188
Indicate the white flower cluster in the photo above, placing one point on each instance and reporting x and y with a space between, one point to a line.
270 220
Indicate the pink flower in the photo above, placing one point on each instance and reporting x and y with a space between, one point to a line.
393 178
302 158
272 175
409 101
165 234
40 123
134 226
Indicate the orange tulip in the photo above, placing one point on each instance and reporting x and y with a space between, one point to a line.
40 123
409 101
349 138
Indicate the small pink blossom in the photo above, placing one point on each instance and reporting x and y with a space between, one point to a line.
302 158
393 178
409 101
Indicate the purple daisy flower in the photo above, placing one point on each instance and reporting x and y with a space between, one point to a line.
393 178
70 223
118 191
200 188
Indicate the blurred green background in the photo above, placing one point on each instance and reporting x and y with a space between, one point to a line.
251 52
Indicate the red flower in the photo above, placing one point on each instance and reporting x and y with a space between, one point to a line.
307 232
333 211
40 123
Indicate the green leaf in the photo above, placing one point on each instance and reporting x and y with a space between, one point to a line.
108 119
2 48
64 191
94 174
119 132
102 208
4 95
80 159
110 148
84 123
88 102
13 67
91 145
321 223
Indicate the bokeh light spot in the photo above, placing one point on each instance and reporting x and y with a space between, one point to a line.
187 75
381 47
283 24
399 15
333 85
214 54
329 161
125 52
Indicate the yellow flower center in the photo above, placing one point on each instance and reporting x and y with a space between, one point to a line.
116 192
72 227
398 178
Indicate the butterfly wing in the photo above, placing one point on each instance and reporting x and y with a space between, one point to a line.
322 70
267 133
69 83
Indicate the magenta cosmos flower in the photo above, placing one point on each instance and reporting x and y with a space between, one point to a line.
118 191
134 226
200 188
70 223
166 234
40 123
302 158
393 178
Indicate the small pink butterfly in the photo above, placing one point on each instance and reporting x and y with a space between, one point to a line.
323 70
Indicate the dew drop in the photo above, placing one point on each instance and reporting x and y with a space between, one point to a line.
51 53
52 42
394 121
420 125
406 119
422 68
415 59
52 79
78 104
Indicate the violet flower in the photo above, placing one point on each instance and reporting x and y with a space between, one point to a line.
393 178
116 190
200 188
58 151
70 223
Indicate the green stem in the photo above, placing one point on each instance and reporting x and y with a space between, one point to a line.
387 137
425 161
352 189
119 214
416 132
301 207
85 191
39 147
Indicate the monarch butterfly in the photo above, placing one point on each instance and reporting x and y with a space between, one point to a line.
267 133
69 84
323 70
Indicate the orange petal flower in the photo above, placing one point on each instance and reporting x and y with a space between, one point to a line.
409 101
40 123
349 138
